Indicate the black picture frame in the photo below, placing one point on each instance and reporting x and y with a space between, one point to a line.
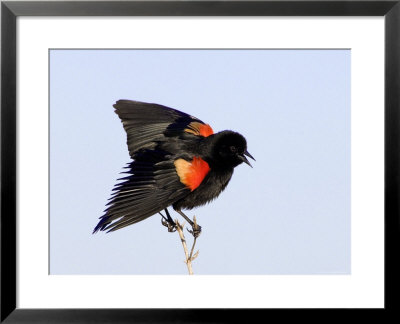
10 10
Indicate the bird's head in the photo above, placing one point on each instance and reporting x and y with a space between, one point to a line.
230 149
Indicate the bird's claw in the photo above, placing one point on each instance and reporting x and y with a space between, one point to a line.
171 226
196 230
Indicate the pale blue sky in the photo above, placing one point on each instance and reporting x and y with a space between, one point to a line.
290 214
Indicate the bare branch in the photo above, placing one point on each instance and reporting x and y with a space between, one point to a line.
189 257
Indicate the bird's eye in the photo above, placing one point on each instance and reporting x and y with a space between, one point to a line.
232 148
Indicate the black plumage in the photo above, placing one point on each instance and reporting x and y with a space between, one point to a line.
176 160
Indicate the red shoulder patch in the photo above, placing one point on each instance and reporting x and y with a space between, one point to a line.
206 130
197 128
191 174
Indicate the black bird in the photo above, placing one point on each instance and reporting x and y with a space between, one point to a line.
177 160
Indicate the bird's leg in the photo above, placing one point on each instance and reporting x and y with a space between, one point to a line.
196 229
168 222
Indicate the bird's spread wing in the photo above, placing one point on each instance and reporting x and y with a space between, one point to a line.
148 124
151 185
156 178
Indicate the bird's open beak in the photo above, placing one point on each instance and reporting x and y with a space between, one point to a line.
249 155
244 159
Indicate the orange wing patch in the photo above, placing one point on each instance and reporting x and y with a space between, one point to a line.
192 173
197 128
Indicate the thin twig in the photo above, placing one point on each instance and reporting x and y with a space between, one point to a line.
179 228
189 257
191 251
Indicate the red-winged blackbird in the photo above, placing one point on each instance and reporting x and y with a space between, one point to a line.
177 160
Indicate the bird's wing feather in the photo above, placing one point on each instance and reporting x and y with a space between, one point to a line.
151 185
147 124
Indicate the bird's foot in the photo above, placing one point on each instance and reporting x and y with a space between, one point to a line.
196 230
168 224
